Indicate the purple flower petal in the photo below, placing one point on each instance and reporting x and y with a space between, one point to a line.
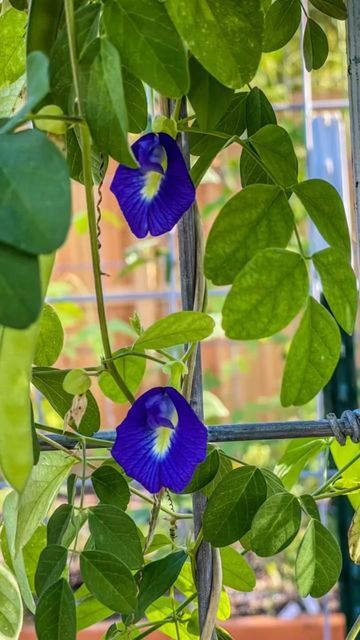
161 441
155 196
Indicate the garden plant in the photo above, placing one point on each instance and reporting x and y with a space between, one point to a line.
77 78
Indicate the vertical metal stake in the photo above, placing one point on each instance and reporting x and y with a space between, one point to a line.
187 255
353 51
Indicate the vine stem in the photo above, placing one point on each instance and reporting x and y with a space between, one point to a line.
355 630
85 144
337 475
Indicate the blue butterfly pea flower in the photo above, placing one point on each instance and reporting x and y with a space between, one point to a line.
154 196
161 441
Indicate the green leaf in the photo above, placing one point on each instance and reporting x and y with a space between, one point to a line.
49 382
315 45
222 634
109 580
339 286
273 483
50 338
11 616
333 8
40 491
99 162
354 538
177 328
114 531
59 524
233 122
276 524
134 30
132 370
343 455
209 98
312 357
110 486
309 505
225 466
16 561
237 573
259 111
35 196
318 562
204 472
232 506
55 614
76 382
251 172
57 127
52 563
281 21
326 209
156 578
257 217
274 146
136 103
106 107
89 611
37 83
296 456
228 44
12 50
20 287
274 281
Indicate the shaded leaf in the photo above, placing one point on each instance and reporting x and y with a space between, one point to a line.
256 218
281 21
228 44
134 30
318 562
208 97
274 146
109 580
204 472
312 357
20 287
326 209
156 578
232 505
55 614
275 524
266 295
315 45
52 563
339 286
110 486
259 111
114 531
333 8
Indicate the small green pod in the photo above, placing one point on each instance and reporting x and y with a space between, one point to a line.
16 357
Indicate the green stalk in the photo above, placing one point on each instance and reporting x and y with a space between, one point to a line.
337 475
355 630
85 144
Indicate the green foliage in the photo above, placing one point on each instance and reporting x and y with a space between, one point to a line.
209 98
281 21
10 605
59 524
76 382
237 573
156 578
205 472
315 45
275 524
339 286
106 105
256 218
161 63
132 370
52 563
177 328
232 505
318 562
228 44
50 339
110 486
50 383
296 456
114 531
55 613
325 208
259 111
109 580
275 281
333 8
12 55
313 355
275 149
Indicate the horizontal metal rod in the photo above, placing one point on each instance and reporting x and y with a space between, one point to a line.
231 433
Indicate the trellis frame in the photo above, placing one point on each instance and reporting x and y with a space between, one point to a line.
188 243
